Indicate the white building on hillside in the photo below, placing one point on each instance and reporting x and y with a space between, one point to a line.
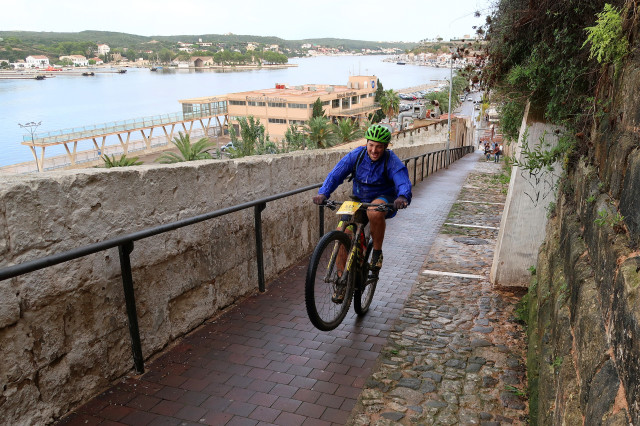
78 60
103 49
37 61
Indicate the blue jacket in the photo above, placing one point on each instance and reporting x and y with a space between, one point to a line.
371 180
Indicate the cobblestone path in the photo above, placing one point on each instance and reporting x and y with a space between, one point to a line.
456 354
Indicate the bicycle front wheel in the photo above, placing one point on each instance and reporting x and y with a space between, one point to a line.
366 285
328 287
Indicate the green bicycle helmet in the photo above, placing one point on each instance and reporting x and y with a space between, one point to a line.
378 133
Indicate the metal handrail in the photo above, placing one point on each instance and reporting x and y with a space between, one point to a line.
125 243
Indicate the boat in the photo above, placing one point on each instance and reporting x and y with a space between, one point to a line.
86 74
401 63
39 77
122 71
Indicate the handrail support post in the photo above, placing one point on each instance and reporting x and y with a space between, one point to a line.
259 257
124 251
320 221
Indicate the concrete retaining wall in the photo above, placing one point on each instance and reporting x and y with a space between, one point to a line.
63 330
525 212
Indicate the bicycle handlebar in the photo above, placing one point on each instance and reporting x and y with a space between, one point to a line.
383 207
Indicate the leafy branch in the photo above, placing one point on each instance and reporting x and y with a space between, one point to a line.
608 43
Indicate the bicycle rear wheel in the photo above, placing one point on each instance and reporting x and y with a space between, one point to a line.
366 286
322 283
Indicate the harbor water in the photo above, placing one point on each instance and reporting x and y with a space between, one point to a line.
73 101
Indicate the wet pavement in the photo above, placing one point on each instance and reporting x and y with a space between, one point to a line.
433 349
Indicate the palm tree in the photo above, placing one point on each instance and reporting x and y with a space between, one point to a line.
188 151
390 103
347 130
120 162
319 131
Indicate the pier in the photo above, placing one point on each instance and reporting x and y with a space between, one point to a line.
85 145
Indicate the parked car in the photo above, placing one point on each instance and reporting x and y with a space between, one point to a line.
227 146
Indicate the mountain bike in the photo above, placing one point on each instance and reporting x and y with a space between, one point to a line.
339 268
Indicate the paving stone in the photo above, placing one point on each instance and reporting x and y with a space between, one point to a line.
455 363
410 383
393 416
433 376
480 343
427 386
482 329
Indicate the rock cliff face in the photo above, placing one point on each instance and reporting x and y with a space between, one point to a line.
584 300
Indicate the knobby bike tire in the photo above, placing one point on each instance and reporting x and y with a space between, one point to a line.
364 288
325 314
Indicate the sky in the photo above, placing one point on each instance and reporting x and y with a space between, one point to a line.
372 20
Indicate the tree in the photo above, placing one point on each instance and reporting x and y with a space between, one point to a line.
184 56
317 109
319 131
166 55
390 103
294 139
378 115
254 140
123 161
347 130
188 151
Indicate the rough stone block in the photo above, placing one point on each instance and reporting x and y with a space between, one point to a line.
9 304
625 334
603 391
629 199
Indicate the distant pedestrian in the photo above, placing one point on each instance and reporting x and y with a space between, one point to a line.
487 151
496 153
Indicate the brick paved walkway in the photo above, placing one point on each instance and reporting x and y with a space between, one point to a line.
264 363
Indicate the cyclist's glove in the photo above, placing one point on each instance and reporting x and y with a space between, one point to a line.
400 203
319 199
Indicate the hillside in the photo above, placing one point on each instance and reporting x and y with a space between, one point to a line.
16 45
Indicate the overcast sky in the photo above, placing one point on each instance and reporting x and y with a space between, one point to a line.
374 20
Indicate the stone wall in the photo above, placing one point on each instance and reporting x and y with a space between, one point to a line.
63 330
584 300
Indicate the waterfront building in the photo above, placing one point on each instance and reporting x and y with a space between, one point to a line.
279 107
201 61
103 49
37 61
77 60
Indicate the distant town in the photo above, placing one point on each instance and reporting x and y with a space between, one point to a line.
35 51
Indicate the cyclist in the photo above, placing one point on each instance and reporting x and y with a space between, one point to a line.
378 177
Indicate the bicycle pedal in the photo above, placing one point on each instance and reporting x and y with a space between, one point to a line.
338 298
374 274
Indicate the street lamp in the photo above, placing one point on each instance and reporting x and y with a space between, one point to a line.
31 128
449 115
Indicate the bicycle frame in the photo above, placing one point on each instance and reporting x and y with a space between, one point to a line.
352 252
342 226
